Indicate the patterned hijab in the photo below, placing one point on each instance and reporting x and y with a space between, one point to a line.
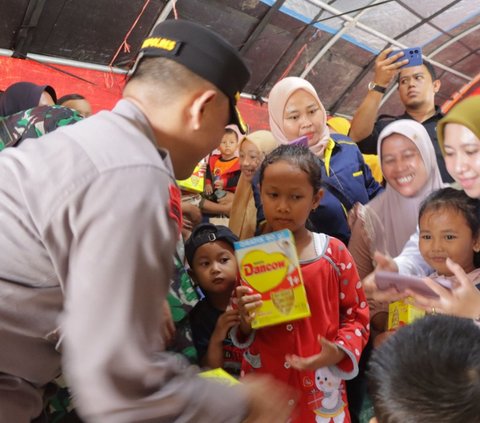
399 214
277 101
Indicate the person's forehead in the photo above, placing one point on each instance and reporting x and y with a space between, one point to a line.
249 147
212 248
300 96
413 70
229 137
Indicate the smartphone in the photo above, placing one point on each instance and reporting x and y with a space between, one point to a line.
302 141
385 280
413 54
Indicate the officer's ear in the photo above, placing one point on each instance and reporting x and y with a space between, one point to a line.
436 85
199 106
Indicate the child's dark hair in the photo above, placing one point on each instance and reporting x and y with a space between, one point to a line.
300 157
69 97
428 371
231 131
458 201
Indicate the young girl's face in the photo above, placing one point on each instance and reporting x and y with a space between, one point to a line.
402 165
250 159
228 146
287 196
462 157
445 233
215 267
303 116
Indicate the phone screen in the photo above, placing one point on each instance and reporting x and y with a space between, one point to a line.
385 280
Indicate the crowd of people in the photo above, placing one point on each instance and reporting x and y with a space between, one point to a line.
117 287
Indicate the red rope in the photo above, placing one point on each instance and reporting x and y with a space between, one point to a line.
297 56
124 45
292 63
175 13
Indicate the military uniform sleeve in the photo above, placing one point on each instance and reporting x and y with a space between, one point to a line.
121 234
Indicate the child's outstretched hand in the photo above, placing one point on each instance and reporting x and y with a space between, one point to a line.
208 189
225 322
247 303
329 355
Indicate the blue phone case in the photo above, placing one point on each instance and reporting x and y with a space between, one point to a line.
413 54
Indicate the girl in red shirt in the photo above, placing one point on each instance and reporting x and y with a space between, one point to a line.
315 354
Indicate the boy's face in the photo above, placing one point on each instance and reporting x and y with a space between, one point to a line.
416 87
228 145
215 267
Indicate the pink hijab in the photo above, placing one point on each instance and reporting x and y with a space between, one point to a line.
277 101
398 214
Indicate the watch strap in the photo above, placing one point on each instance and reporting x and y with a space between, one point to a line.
374 87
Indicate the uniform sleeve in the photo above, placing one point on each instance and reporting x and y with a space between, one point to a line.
354 313
122 231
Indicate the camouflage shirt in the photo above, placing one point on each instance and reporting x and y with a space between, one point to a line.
34 123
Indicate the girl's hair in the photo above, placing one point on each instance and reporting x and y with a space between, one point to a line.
457 200
300 157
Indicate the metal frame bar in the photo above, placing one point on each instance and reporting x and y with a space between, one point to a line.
65 62
261 26
346 27
384 37
29 23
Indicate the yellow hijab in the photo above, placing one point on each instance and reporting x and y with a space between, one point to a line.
465 113
243 217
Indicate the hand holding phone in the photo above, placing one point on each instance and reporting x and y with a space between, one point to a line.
385 280
412 54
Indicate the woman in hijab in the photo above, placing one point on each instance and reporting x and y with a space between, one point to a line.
253 148
295 112
26 95
459 139
409 166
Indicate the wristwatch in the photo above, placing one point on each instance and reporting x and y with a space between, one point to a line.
374 87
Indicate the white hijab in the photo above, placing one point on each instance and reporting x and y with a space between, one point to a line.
399 214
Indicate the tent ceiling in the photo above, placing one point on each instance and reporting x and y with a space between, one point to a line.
332 43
